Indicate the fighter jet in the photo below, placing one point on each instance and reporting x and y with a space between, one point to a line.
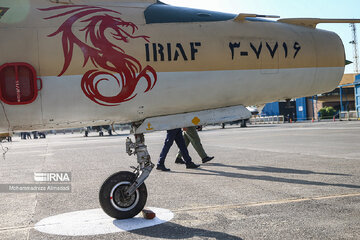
77 63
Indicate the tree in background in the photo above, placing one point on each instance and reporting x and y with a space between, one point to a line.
327 112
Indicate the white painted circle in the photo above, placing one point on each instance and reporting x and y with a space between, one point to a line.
96 222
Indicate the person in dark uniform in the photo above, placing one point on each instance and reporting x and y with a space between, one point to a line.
175 135
28 135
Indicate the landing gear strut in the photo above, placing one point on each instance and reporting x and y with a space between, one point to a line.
123 195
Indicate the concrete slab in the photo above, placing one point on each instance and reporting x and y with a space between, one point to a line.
291 181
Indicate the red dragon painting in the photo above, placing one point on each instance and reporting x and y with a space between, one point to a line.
109 59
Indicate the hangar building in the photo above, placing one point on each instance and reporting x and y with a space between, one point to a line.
345 98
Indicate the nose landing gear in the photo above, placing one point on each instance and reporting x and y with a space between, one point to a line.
123 195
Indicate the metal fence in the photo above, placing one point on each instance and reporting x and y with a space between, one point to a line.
349 116
267 120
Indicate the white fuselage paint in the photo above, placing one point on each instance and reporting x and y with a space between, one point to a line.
62 103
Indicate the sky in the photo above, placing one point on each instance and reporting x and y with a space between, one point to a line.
291 9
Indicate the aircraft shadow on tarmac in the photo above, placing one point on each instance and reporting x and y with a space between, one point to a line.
232 127
276 170
207 171
175 231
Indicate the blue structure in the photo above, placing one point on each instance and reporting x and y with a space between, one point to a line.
277 108
341 99
301 109
342 94
357 95
297 112
356 85
271 109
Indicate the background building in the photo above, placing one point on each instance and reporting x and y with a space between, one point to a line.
346 97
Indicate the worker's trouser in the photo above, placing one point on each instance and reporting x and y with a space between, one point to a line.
171 136
191 136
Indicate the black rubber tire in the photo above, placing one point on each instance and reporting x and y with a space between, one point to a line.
107 204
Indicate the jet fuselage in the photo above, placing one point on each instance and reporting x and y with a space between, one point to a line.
116 62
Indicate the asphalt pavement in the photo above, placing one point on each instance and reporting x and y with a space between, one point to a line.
287 181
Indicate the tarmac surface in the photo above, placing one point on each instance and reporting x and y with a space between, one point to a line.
290 181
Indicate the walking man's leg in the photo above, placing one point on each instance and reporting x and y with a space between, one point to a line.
194 138
191 135
180 142
196 142
170 136
179 159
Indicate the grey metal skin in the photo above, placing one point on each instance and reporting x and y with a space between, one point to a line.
143 158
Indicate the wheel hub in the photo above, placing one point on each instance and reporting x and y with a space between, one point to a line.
120 200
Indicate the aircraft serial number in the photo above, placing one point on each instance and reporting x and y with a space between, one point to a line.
173 52
289 50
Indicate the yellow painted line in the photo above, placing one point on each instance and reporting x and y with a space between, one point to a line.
267 203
